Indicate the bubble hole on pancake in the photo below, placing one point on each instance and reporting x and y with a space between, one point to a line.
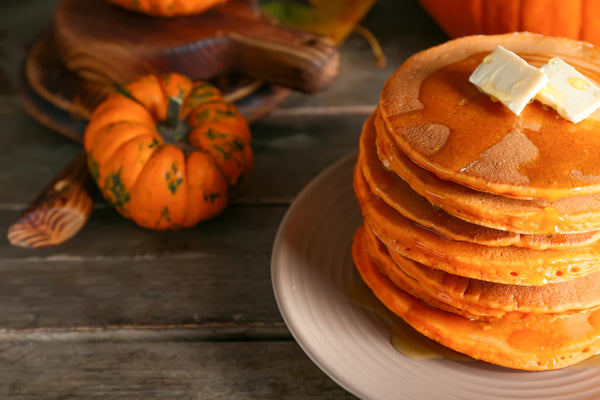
567 215
400 196
508 264
483 145
543 344
476 299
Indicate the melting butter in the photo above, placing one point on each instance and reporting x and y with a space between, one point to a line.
571 94
505 76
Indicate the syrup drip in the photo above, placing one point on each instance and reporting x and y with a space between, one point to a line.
412 344
406 340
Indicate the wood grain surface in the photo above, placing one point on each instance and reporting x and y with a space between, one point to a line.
119 312
107 44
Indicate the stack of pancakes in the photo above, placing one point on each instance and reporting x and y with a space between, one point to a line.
482 228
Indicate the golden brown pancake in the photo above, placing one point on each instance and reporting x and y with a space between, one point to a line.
437 118
566 215
540 344
472 298
508 264
400 196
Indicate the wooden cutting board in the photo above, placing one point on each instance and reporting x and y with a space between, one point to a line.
63 101
105 43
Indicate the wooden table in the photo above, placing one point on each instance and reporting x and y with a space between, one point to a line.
120 312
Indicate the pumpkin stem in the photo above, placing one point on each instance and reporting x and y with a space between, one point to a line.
173 109
173 129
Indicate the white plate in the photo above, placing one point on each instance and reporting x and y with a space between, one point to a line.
312 271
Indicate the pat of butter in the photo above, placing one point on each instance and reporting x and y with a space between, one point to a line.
505 76
572 95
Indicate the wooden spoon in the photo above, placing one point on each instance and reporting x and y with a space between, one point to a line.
60 211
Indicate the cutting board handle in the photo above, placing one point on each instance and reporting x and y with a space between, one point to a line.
291 58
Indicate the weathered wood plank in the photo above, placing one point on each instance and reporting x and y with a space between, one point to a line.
176 370
30 155
20 22
289 151
115 273
241 229
227 290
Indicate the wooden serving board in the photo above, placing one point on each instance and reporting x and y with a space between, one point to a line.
63 101
104 43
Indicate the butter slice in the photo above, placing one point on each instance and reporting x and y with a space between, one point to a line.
572 95
505 76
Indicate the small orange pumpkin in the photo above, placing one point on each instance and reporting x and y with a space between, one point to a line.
572 19
168 152
167 8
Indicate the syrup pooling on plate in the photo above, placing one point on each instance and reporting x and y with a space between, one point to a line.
413 344
485 140
403 337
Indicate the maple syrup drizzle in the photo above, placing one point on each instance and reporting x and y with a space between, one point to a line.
546 165
412 344
406 340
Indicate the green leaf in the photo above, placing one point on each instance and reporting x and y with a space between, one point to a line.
290 13
334 19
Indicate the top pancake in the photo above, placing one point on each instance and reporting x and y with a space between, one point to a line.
398 194
566 215
445 125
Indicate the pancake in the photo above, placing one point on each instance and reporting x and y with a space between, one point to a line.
481 228
567 215
541 344
508 264
438 119
400 196
476 299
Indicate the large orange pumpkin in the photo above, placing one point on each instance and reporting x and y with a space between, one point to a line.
167 8
575 19
168 152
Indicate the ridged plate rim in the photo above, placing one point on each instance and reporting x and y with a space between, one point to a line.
311 272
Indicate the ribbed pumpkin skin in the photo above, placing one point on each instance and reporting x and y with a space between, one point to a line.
168 176
574 19
167 8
